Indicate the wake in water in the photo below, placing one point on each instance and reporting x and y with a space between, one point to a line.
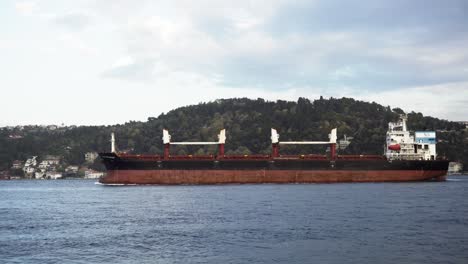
114 184
455 180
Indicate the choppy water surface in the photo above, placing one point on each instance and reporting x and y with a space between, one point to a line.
81 222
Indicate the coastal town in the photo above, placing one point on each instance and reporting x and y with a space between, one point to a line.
51 167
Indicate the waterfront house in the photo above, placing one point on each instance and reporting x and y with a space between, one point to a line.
39 175
17 164
31 162
71 169
455 168
92 174
344 143
29 171
4 175
53 175
91 156
44 165
52 160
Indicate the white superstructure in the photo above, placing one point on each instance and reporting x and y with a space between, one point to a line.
402 145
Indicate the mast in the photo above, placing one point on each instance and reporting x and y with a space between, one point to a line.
112 142
167 141
221 142
274 143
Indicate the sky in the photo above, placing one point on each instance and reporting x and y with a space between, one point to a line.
102 62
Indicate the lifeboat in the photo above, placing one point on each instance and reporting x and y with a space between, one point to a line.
395 147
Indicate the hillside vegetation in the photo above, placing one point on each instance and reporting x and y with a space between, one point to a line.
248 124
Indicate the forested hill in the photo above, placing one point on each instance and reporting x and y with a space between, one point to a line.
247 123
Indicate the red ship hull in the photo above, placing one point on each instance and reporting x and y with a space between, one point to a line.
177 177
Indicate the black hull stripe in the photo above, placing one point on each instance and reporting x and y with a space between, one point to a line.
116 163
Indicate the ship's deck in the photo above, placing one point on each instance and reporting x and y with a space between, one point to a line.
248 157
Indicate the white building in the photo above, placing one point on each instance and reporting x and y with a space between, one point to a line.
52 160
31 162
29 166
344 143
91 156
39 175
91 174
71 169
29 170
17 164
53 175
455 167
44 165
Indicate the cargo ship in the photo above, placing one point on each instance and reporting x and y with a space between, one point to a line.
407 157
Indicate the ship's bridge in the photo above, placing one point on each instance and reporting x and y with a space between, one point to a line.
402 145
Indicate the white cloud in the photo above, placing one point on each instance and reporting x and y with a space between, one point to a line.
427 54
74 21
25 8
344 72
174 53
123 61
447 101
77 43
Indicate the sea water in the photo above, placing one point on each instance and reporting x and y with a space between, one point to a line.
78 221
